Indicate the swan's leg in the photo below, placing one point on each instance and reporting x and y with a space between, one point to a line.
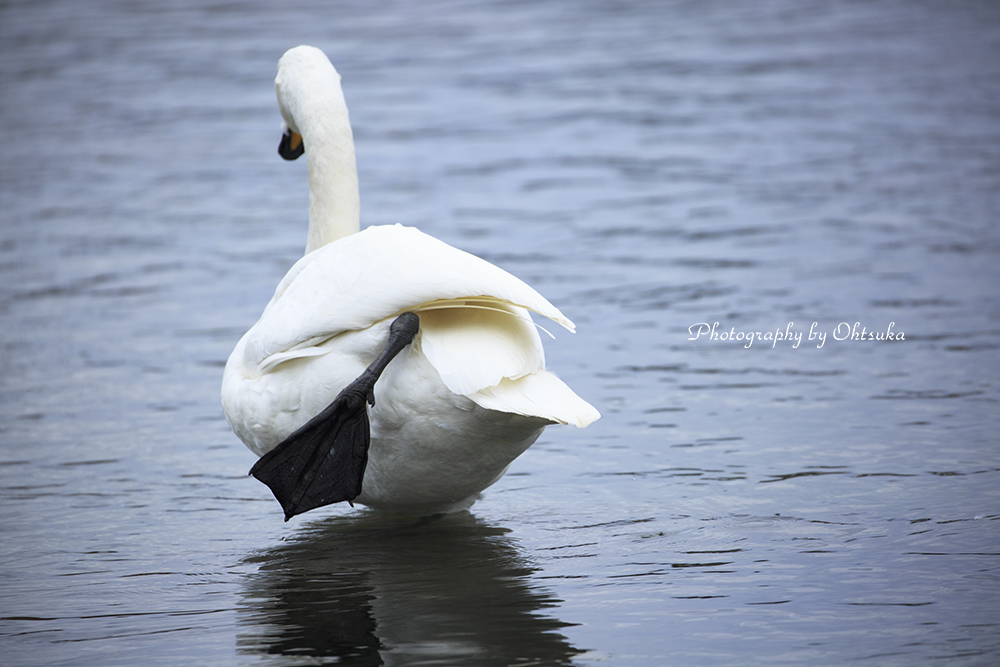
324 461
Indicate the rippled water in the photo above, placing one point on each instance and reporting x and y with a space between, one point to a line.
646 166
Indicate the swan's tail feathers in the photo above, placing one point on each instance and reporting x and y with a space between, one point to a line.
539 394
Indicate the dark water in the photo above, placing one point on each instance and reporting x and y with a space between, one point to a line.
646 166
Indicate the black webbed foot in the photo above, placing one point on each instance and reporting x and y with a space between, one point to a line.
324 461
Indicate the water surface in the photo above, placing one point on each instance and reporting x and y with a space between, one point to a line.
785 166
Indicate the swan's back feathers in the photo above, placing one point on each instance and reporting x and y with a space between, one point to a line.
369 276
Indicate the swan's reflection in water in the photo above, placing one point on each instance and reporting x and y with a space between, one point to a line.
378 589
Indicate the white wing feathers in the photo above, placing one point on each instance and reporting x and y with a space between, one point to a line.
474 325
473 348
374 274
492 353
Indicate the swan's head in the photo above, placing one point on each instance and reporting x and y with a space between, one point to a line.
308 89
316 123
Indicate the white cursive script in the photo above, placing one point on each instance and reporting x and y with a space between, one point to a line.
843 331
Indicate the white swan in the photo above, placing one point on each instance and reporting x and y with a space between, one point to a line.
452 408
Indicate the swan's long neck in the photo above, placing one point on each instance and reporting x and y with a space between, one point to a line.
313 104
334 204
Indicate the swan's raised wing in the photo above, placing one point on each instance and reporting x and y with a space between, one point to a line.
367 277
475 326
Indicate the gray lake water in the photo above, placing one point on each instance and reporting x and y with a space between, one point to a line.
774 166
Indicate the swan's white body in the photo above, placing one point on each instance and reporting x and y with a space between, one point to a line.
461 402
